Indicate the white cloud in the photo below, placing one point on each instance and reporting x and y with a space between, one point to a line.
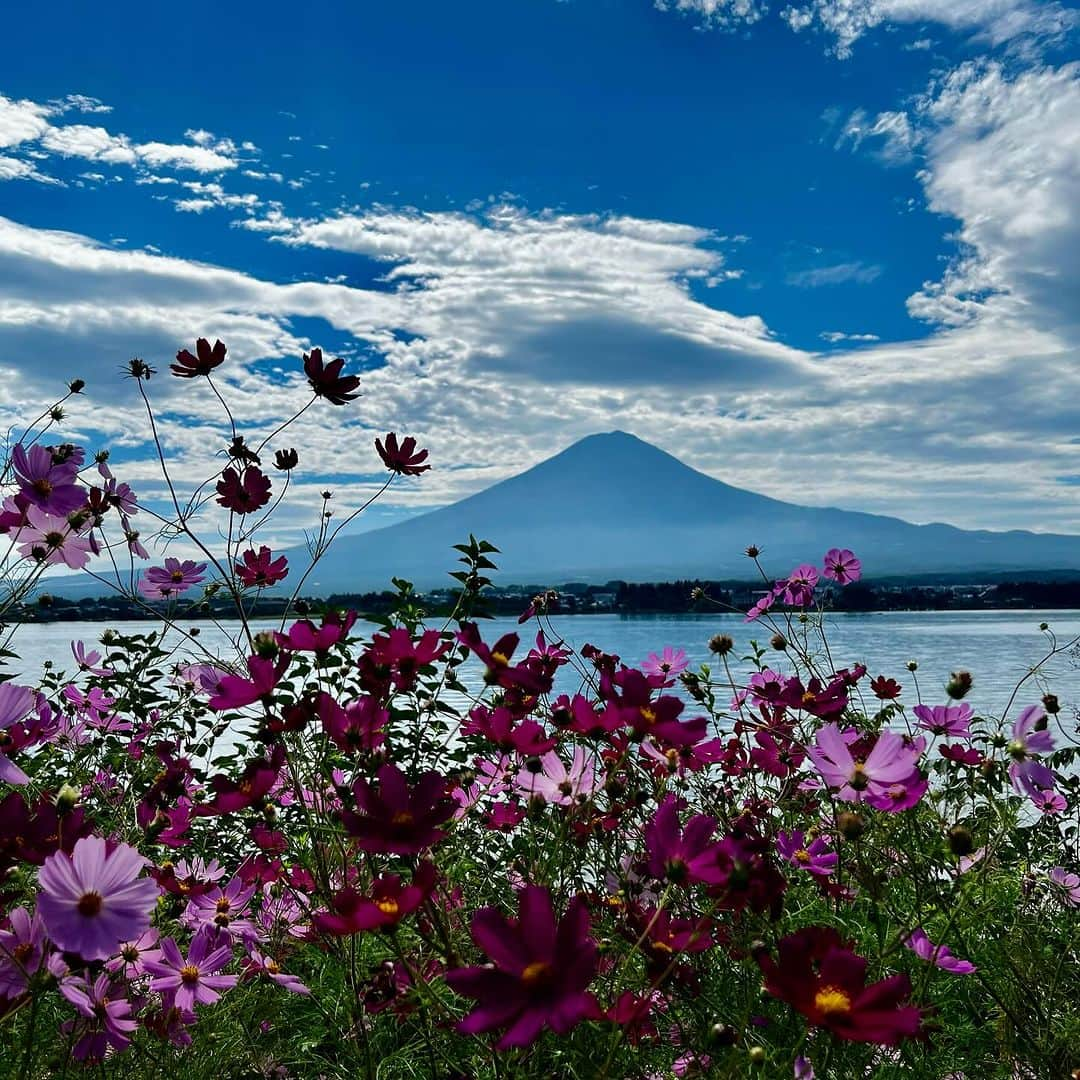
722 14
995 21
835 336
16 169
22 121
894 129
860 273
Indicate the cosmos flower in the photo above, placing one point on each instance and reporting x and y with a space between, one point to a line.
890 762
939 955
820 977
194 979
245 493
15 703
405 460
561 785
841 566
105 1022
327 381
22 951
234 692
46 483
387 902
174 578
1068 883
396 818
52 540
951 720
539 973
813 855
260 570
680 856
94 900
669 663
202 363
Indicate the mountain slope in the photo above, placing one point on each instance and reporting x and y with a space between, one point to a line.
612 506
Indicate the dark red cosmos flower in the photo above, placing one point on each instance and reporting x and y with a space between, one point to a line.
328 382
387 903
405 459
259 776
885 689
542 968
646 715
496 658
821 977
234 692
243 494
33 833
396 819
259 569
743 874
205 360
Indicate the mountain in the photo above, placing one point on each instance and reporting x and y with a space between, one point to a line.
614 507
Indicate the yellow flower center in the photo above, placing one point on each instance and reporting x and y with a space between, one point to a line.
189 974
402 817
832 1001
536 972
388 906
802 855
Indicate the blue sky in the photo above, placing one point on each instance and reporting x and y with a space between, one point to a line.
825 250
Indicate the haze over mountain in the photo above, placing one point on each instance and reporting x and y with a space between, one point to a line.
614 507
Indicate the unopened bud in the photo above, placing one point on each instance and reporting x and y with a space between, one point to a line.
723 1034
851 826
67 798
76 386
757 1055
265 645
778 642
961 841
959 685
913 665
1051 704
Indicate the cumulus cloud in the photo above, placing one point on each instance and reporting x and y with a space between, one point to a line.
718 14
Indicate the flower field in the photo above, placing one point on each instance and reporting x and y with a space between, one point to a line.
335 855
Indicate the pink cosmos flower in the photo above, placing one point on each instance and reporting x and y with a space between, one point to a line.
260 570
171 580
193 980
814 856
130 961
1030 736
951 720
46 483
681 856
559 785
667 665
88 661
225 909
16 702
939 955
52 540
105 1021
94 899
890 762
1068 883
258 963
841 566
22 951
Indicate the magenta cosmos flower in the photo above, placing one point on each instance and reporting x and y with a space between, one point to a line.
93 901
542 968
193 980
172 579
939 955
394 818
404 459
245 493
814 855
203 362
841 566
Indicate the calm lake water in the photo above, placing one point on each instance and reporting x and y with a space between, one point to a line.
998 647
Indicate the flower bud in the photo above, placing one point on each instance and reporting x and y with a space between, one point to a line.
757 1056
778 642
1051 704
851 826
721 644
723 1035
67 798
265 645
958 685
913 665
76 386
286 459
753 551
961 841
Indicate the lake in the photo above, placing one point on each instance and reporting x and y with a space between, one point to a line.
998 647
